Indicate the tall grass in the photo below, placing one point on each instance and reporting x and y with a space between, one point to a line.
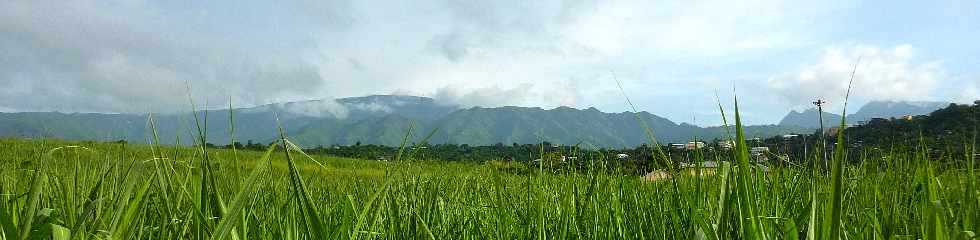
896 194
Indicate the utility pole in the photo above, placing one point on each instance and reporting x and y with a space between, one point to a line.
823 142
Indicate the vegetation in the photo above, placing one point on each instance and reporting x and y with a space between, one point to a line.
82 190
944 129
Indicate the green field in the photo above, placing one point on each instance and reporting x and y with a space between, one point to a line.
88 190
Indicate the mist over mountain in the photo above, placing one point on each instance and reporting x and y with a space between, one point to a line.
357 108
379 119
876 109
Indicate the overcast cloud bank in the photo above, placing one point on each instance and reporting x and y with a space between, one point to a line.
141 56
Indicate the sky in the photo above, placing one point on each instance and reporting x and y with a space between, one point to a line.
672 58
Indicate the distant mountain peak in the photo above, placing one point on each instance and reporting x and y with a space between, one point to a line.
889 109
809 118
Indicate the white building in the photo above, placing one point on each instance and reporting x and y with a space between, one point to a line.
758 151
694 145
726 144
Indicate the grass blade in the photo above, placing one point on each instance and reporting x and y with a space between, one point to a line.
747 200
311 218
245 194
837 171
33 203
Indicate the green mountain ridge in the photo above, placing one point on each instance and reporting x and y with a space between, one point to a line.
507 125
381 119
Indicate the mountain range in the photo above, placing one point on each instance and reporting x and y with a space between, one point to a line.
485 126
384 119
875 109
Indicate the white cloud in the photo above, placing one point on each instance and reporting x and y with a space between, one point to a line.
492 96
694 29
127 57
882 74
555 49
319 108
133 56
312 108
375 107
